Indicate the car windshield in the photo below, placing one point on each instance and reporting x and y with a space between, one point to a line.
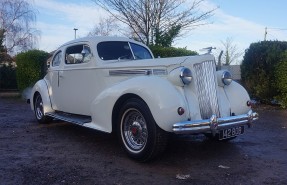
118 50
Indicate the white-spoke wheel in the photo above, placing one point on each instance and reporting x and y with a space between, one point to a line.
134 130
142 139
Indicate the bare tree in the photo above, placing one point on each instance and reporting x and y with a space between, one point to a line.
2 48
16 19
106 27
147 18
230 52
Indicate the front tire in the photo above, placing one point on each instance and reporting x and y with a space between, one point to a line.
138 132
39 110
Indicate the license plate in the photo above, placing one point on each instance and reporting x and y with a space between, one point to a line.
231 132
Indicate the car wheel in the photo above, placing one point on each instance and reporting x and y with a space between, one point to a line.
39 110
138 132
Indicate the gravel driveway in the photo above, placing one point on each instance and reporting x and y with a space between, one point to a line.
62 153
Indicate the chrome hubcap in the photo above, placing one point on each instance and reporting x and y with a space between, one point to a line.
134 130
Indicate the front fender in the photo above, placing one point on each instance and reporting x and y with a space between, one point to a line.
238 97
162 98
42 88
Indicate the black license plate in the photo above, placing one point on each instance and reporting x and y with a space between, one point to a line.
231 132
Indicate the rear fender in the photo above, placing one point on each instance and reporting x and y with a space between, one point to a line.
41 88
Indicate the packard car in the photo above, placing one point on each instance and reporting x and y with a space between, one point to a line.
114 84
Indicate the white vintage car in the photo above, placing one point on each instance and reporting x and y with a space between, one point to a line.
114 84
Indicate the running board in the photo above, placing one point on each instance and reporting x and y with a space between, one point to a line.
72 118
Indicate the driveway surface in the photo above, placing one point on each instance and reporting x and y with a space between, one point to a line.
62 153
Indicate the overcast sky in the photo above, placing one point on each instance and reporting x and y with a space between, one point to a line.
244 21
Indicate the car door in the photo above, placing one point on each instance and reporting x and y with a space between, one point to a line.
53 78
73 93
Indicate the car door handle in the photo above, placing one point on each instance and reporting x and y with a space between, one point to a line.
61 74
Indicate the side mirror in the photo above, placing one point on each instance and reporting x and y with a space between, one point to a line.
86 50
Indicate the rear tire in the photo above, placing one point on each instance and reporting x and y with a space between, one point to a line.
138 132
39 110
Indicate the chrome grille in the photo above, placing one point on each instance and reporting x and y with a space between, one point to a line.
206 84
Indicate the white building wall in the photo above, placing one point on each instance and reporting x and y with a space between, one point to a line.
234 70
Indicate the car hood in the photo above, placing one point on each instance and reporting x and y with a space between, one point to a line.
158 62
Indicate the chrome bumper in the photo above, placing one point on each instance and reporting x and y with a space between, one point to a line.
214 124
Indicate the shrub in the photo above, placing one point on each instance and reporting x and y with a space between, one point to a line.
281 81
8 77
258 66
31 67
165 52
7 72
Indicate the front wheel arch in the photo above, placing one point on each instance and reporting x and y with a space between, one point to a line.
138 132
119 103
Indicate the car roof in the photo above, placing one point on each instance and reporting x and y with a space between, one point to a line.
97 39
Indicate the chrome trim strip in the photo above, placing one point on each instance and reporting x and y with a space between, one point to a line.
159 72
214 124
130 72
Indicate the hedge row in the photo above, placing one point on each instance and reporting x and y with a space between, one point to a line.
8 77
263 71
31 66
165 52
281 80
7 72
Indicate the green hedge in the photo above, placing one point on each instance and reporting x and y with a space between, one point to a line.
7 72
8 77
281 80
31 67
259 66
165 52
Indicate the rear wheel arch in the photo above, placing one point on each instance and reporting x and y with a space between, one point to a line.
34 97
39 109
41 88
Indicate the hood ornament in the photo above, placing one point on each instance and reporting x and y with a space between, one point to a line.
208 49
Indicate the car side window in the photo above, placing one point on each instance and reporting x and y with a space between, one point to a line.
114 50
78 54
140 52
119 50
57 59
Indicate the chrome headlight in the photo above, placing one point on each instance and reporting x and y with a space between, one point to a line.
180 76
224 78
185 75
